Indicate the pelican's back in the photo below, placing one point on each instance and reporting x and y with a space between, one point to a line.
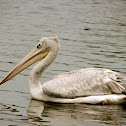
84 82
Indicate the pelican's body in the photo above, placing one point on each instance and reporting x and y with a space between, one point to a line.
90 85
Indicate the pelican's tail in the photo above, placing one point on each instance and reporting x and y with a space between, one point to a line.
124 91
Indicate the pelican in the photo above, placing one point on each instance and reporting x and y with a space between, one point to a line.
89 85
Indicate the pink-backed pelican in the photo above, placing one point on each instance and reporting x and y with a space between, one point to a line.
89 85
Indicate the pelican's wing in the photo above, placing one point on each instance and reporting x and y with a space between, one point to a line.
84 82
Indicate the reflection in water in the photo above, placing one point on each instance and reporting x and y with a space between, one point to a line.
41 112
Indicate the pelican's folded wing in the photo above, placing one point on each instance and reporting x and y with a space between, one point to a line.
84 82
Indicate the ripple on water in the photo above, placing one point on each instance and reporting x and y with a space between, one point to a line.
91 33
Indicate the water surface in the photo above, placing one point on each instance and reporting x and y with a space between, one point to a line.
92 33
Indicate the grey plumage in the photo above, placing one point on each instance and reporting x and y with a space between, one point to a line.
84 82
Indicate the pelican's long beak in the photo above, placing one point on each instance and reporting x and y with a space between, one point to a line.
34 56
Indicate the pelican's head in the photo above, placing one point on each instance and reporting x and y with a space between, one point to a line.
44 46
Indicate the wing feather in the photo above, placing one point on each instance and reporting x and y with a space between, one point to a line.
84 82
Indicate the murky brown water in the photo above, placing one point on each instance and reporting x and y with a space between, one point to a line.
92 33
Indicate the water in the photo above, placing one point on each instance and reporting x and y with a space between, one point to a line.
92 34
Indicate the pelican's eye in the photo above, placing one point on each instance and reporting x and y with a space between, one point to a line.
39 46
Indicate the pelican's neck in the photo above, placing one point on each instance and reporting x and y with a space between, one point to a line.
35 75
